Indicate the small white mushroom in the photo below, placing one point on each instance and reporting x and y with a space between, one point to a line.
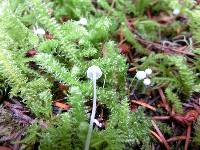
140 75
93 73
147 81
148 71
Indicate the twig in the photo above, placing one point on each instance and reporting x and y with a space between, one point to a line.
157 136
132 69
187 137
163 98
158 46
161 117
176 138
144 104
160 135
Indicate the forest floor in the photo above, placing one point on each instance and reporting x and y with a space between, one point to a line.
173 112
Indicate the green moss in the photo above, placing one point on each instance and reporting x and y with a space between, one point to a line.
74 48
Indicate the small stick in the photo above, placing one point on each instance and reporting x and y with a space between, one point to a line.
176 138
161 117
179 142
144 104
187 137
163 98
163 48
160 135
157 136
132 69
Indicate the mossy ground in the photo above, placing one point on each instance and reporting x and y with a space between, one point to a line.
46 98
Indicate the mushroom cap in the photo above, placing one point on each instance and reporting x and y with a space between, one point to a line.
140 75
147 81
148 71
94 70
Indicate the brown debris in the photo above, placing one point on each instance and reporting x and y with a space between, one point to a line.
142 103
30 53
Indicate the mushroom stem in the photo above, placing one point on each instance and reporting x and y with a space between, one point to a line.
87 143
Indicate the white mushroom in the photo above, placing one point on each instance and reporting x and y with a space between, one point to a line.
148 71
140 75
147 81
93 73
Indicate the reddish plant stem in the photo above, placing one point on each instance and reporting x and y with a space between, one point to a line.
176 138
187 137
144 104
160 135
161 117
163 98
132 69
157 136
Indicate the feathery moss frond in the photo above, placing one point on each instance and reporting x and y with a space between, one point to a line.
51 65
174 100
10 71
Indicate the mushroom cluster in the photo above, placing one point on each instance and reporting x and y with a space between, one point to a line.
144 75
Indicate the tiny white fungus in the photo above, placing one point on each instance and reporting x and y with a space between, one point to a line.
93 73
94 70
148 71
140 75
147 81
